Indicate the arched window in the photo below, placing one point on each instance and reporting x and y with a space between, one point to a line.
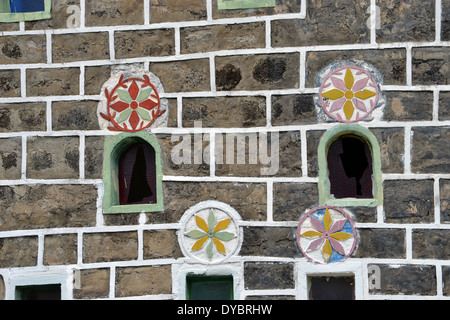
132 173
349 167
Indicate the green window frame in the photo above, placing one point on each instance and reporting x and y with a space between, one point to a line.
7 16
114 147
209 287
325 197
244 4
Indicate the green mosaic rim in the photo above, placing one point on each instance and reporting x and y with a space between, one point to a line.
325 198
114 147
7 16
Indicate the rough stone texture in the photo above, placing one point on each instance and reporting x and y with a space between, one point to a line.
10 158
175 11
257 72
430 65
95 77
121 219
47 206
390 62
194 165
138 281
281 6
75 115
406 280
94 283
15 117
445 23
444 101
225 112
446 280
9 83
408 201
431 244
222 37
110 246
23 49
391 141
330 22
18 252
268 275
286 163
269 242
374 241
409 106
249 199
53 82
160 244
93 157
296 109
288 195
406 21
114 12
59 16
183 76
312 143
363 214
60 249
80 46
144 43
445 200
429 152
53 157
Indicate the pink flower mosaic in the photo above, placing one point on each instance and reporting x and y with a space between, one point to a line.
348 94
132 105
326 235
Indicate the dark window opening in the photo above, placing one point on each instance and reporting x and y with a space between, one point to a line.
331 288
39 292
209 287
26 5
350 168
137 175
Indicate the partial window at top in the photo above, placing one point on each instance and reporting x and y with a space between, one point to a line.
24 10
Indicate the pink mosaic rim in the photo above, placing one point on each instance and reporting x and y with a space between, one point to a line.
349 94
322 239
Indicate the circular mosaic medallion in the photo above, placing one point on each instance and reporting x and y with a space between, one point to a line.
348 94
326 235
210 233
132 105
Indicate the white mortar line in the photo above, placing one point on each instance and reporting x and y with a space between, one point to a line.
23 169
438 20
81 151
212 155
79 247
407 152
304 152
439 288
177 41
373 21
409 64
212 74
112 52
23 82
48 116
40 251
268 29
269 201
146 12
209 10
179 112
82 79
82 14
112 281
268 97
408 243
437 201
140 239
49 49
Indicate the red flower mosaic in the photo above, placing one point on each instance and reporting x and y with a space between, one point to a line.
132 105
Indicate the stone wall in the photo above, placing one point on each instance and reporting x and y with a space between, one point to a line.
233 71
